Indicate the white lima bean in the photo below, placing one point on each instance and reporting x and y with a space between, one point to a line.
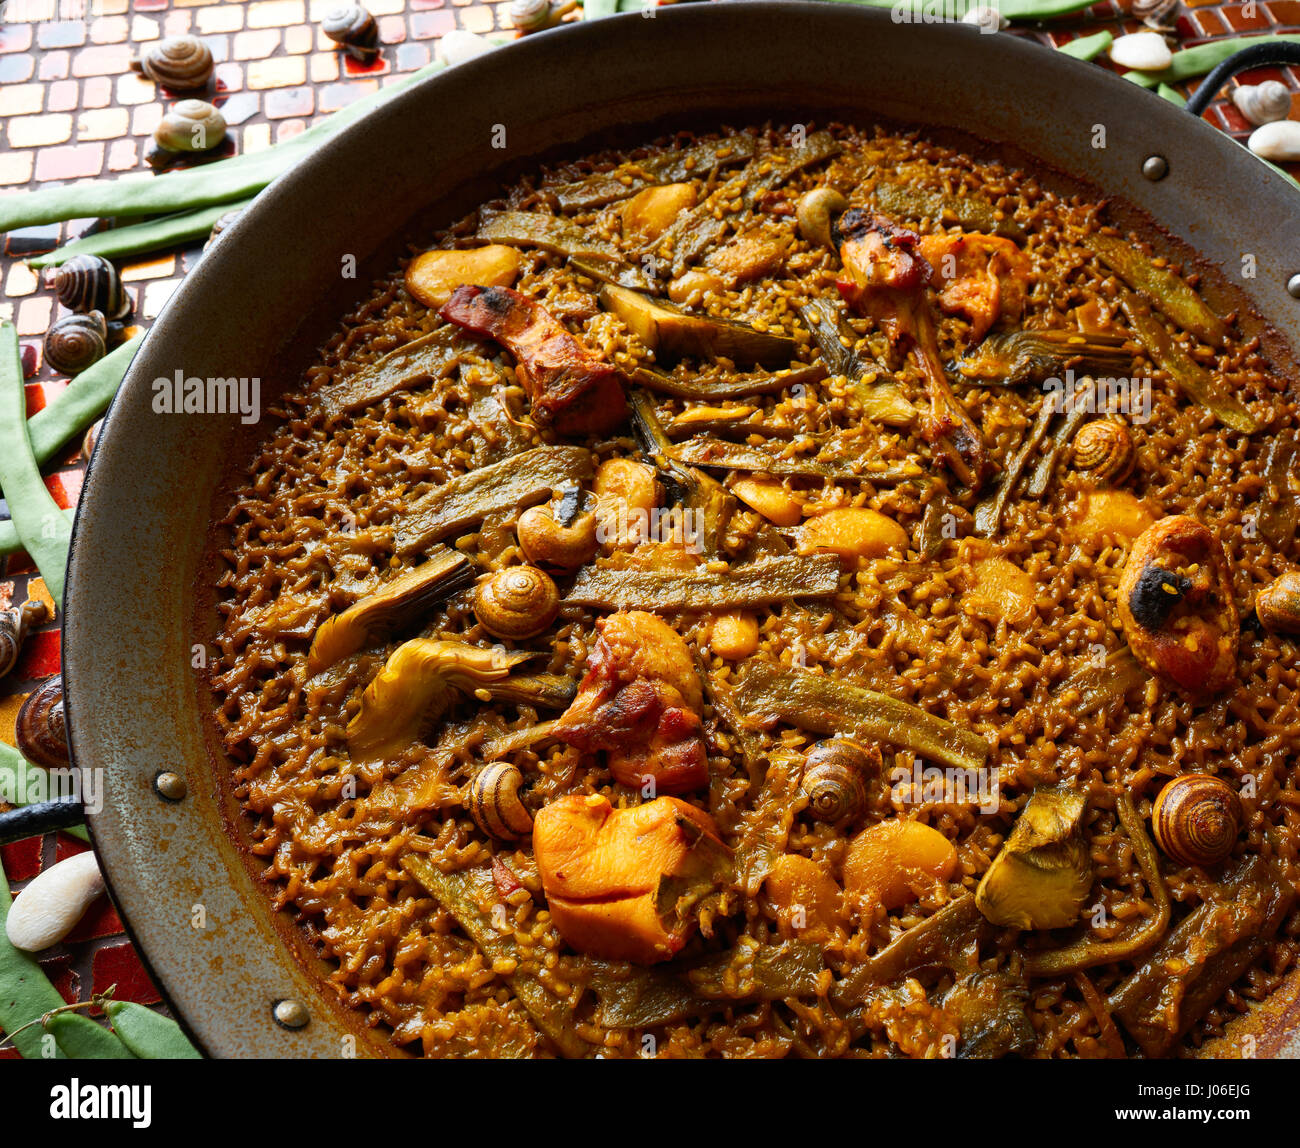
47 909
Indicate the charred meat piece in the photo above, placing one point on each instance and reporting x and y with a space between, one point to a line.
572 389
640 700
885 275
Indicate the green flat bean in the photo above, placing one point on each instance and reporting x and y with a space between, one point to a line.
1193 62
137 238
80 1038
225 181
1088 47
36 516
16 775
25 991
80 403
9 541
149 1035
1165 92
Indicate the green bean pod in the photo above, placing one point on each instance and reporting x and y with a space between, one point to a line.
26 993
80 403
149 1035
9 541
224 181
137 238
1088 47
39 520
1192 62
16 774
80 1038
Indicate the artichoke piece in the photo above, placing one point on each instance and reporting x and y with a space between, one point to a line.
415 687
671 167
393 605
992 1011
511 484
719 388
548 232
620 274
1032 356
430 357
1043 875
1280 513
671 332
881 401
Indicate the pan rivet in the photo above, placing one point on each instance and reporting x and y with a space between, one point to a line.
1155 167
170 785
290 1013
1293 285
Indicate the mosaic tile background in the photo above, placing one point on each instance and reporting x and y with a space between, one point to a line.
70 108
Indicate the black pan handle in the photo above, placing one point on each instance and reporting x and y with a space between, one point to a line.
1256 56
37 820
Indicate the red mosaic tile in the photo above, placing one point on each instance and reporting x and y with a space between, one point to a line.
101 920
1284 11
1232 119
392 29
422 5
67 847
122 155
97 92
1261 75
40 657
378 67
287 129
65 487
70 162
1208 23
21 859
63 976
229 77
150 5
119 965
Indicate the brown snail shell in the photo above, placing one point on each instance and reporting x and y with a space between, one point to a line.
91 440
182 63
553 545
75 342
91 283
1196 819
835 779
190 126
15 623
1153 13
223 221
355 29
493 802
1105 450
39 730
517 602
537 15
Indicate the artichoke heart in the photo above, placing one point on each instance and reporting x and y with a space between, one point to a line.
392 605
414 689
1044 873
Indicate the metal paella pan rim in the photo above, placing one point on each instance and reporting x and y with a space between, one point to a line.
236 973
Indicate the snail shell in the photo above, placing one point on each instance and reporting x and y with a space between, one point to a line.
75 342
182 63
355 29
190 126
1105 450
15 623
1263 103
39 730
493 802
550 544
835 780
223 221
91 283
816 210
91 440
1196 819
538 15
1152 13
517 602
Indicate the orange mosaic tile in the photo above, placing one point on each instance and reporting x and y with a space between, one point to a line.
15 167
21 99
39 131
276 73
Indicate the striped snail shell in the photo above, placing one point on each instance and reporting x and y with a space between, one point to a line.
517 602
223 221
493 802
1104 449
182 63
40 730
355 29
538 15
1196 819
91 283
190 126
835 780
75 342
14 626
